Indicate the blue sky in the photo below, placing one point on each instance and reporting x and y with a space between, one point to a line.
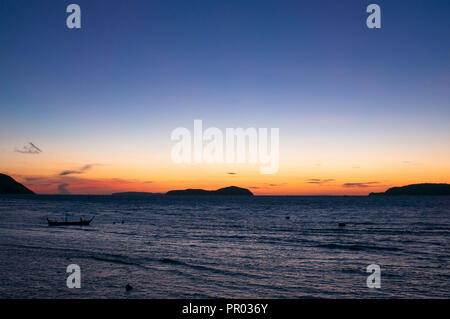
206 57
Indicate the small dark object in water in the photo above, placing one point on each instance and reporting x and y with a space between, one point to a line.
341 224
288 217
128 287
66 223
122 221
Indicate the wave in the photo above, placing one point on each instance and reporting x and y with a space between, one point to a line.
172 261
357 247
114 260
209 268
83 254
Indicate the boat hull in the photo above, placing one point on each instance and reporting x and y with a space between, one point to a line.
67 223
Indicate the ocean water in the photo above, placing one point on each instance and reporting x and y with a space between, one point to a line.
225 247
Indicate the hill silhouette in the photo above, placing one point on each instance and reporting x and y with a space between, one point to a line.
135 194
417 189
232 190
9 186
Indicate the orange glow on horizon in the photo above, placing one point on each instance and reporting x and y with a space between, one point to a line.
307 176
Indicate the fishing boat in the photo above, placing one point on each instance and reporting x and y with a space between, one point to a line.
80 222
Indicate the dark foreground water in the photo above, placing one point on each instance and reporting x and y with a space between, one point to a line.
204 247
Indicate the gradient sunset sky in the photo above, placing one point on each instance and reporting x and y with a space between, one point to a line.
359 110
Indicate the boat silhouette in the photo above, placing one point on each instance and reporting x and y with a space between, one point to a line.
81 222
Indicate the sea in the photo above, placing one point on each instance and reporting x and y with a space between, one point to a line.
226 247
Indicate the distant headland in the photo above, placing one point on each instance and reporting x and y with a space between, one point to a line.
135 194
9 186
417 189
232 190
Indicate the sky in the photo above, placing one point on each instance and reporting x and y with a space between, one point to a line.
359 110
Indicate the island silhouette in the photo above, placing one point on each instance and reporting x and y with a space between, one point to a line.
231 190
135 194
417 189
9 186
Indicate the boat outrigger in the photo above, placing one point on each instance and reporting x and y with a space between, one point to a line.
81 222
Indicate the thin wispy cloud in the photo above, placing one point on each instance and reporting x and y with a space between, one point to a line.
30 148
361 184
62 189
77 171
275 185
76 184
319 181
267 185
